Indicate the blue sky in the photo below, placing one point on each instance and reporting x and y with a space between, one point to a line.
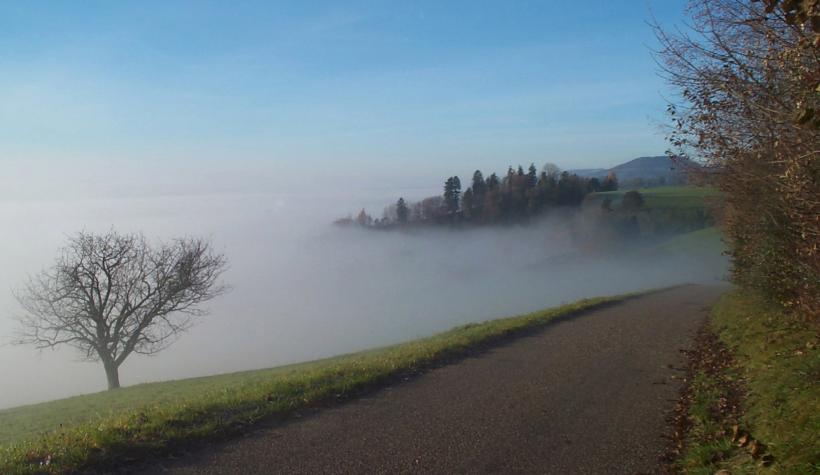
413 89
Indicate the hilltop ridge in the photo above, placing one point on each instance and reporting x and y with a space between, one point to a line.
658 168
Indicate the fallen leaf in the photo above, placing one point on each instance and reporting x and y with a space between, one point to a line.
756 448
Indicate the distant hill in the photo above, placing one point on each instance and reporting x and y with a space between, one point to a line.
590 172
649 169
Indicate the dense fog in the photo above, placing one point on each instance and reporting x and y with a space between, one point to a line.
305 289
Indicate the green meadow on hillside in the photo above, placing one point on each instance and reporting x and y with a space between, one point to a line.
666 211
707 240
98 430
667 197
30 421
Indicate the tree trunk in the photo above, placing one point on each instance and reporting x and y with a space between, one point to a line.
112 373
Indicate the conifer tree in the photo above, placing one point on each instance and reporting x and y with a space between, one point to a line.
532 176
452 192
593 185
401 211
468 204
493 182
479 188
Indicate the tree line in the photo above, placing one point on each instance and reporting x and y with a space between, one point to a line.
516 197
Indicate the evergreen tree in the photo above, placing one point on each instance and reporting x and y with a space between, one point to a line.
452 192
519 192
401 211
491 207
493 182
448 191
479 188
594 184
571 190
468 204
549 189
478 183
532 176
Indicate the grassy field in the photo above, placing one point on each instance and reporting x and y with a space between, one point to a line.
27 422
668 197
707 240
666 211
104 429
777 360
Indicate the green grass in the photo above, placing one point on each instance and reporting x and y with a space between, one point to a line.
26 422
709 442
778 360
666 211
667 197
707 240
101 430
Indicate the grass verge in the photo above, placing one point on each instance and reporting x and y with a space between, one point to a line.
211 408
753 400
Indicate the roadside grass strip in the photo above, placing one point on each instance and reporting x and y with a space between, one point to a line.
776 361
130 424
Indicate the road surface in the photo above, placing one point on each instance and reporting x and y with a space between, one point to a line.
588 395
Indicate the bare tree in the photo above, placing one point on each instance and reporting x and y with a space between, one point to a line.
111 295
748 77
551 170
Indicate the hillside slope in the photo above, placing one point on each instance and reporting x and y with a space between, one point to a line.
645 168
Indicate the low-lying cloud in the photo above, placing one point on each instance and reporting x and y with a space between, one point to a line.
305 289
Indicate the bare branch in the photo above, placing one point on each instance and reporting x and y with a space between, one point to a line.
112 295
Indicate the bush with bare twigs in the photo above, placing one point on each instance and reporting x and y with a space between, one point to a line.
748 73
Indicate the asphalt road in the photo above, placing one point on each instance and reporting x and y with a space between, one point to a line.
587 395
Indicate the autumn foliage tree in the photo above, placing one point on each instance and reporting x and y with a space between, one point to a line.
748 74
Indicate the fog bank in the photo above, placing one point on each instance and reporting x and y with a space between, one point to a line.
304 289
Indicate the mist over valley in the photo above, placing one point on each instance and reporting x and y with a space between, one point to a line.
304 289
